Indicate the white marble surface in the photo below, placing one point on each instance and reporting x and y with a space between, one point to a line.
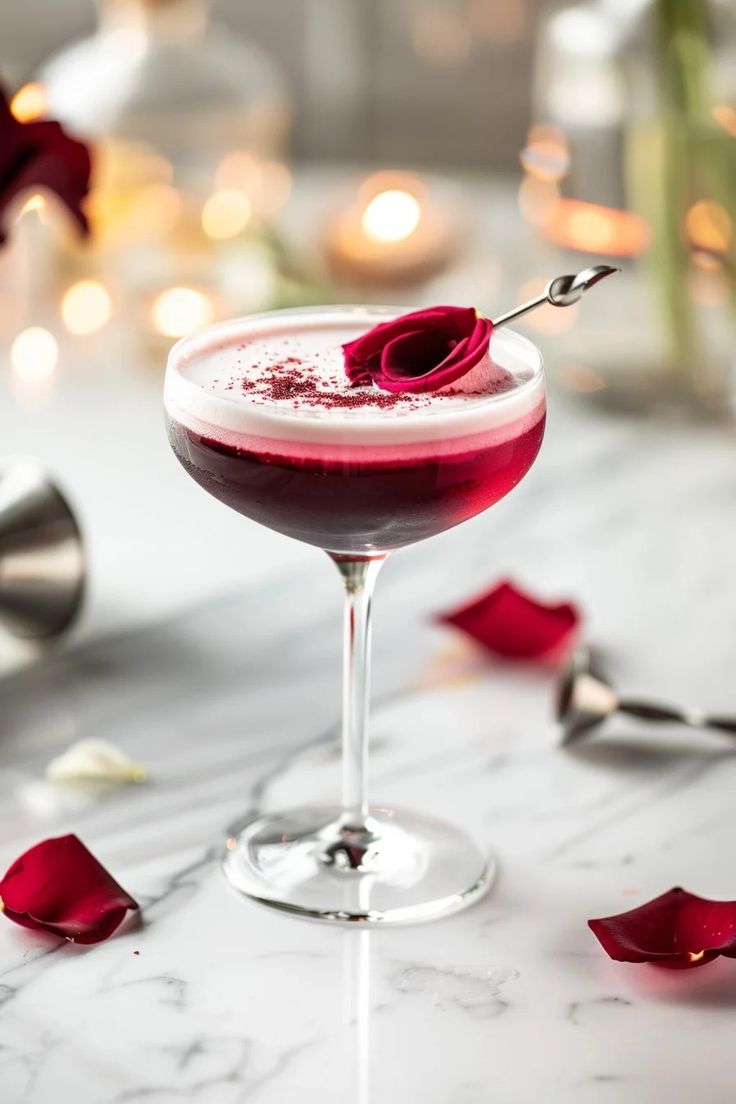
210 653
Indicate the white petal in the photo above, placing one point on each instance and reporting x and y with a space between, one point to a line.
94 761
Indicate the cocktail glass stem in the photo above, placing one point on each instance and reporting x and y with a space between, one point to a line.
359 577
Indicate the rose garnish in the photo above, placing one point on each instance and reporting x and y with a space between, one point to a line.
421 351
514 625
677 930
58 886
41 154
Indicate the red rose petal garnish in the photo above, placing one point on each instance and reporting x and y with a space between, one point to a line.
678 930
421 351
58 886
515 625
41 155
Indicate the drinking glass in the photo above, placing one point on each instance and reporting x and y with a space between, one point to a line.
358 487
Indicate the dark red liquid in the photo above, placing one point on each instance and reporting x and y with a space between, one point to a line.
356 506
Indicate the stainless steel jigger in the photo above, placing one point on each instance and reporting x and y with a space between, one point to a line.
563 291
42 561
586 700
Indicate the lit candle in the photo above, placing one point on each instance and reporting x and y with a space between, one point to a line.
392 233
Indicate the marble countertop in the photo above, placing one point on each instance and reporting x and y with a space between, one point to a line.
210 652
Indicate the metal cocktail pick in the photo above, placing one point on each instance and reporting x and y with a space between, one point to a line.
586 700
42 562
563 291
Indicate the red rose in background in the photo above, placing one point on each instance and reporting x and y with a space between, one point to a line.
421 351
58 886
41 155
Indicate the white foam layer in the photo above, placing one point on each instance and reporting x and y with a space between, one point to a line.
204 388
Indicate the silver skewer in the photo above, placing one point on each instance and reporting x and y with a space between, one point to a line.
563 291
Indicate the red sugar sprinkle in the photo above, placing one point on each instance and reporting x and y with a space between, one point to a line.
289 381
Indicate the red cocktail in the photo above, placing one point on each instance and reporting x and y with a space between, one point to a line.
261 414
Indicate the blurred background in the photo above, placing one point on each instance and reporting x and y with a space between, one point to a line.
252 155
262 154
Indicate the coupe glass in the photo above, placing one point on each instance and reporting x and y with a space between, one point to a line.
354 861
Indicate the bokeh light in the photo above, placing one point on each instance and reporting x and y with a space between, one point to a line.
29 102
391 216
35 203
226 213
708 226
86 307
725 116
546 155
591 228
179 311
34 355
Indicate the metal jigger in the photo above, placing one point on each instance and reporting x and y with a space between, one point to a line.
586 700
42 561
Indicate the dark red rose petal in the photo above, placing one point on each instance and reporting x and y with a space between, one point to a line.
514 625
58 886
678 930
41 155
420 351
408 355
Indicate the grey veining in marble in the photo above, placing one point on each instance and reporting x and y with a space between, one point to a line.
234 703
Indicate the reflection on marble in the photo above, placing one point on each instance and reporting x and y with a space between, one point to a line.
233 704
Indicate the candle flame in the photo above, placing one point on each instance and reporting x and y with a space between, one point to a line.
391 216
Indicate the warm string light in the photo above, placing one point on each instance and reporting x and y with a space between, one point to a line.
179 311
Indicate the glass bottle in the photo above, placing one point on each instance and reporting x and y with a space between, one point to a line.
190 124
642 94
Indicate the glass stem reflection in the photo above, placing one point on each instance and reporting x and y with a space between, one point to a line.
359 577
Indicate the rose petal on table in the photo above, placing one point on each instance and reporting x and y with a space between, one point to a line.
94 761
41 154
514 625
58 886
678 930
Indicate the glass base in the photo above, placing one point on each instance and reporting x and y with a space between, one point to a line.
399 868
